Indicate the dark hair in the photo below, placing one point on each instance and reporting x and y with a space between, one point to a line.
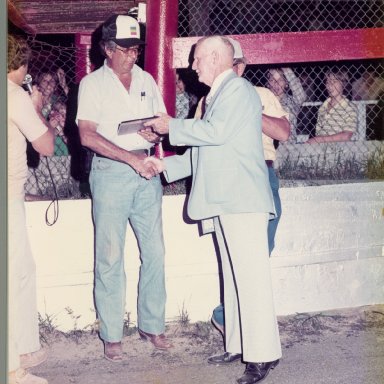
339 75
19 53
45 72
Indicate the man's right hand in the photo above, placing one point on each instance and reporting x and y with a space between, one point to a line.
146 170
156 164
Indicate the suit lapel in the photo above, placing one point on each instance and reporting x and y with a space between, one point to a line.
209 107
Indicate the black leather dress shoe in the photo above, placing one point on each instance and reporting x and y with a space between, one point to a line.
224 359
256 372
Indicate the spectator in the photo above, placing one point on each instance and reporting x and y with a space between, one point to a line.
185 101
52 178
368 87
54 89
57 121
308 81
119 91
287 87
337 116
306 120
24 122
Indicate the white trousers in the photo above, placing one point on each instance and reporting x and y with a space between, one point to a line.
250 320
23 325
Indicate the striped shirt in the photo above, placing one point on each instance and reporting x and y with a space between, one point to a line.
339 118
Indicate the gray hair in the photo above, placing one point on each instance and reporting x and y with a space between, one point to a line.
107 45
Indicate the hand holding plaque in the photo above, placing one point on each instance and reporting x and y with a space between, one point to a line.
132 126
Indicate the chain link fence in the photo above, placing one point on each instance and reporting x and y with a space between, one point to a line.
236 17
53 70
303 87
308 88
56 66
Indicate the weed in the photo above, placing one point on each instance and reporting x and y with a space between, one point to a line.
74 334
128 327
375 166
330 162
183 316
203 329
47 327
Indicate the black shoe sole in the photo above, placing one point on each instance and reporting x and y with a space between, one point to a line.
273 366
224 362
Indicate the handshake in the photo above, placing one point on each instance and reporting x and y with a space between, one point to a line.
150 167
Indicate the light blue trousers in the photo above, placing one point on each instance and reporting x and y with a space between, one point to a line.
120 195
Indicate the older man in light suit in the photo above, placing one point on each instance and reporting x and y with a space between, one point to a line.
230 184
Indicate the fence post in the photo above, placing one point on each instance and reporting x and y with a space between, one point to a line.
162 19
83 63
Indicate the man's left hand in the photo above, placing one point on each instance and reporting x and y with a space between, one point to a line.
149 135
160 124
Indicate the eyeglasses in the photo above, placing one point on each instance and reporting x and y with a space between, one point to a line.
130 51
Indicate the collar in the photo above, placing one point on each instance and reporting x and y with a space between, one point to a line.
343 102
216 84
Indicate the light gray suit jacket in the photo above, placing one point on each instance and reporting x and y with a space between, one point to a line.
226 159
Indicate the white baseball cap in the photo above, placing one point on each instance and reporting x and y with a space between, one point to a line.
237 47
123 30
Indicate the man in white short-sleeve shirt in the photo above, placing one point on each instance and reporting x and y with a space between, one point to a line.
116 92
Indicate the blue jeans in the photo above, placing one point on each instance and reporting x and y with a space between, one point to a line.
272 224
218 312
120 195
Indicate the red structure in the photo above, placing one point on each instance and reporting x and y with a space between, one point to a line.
298 47
162 17
165 51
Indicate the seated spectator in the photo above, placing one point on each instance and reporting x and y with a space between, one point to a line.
54 89
308 82
52 177
57 121
368 87
337 116
287 87
186 104
185 101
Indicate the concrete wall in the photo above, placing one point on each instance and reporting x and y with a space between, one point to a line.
329 254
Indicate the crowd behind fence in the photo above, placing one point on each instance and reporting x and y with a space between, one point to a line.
304 94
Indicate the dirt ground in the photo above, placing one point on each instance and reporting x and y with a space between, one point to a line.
345 346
